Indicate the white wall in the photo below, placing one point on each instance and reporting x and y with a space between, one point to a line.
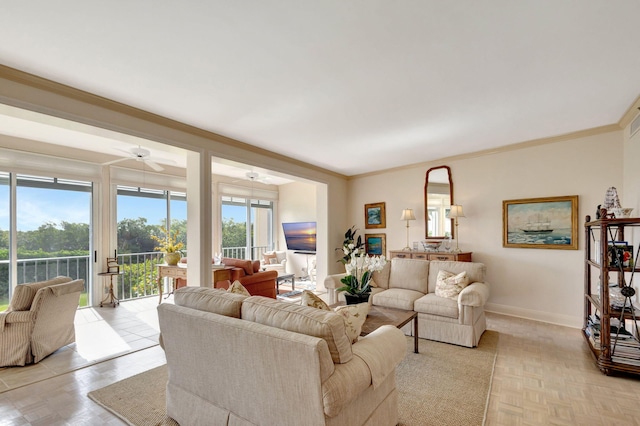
296 203
540 284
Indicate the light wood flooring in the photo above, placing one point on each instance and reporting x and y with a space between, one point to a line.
544 375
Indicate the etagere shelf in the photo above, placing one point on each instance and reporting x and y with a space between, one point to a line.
610 325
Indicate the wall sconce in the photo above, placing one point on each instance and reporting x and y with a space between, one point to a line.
407 214
454 213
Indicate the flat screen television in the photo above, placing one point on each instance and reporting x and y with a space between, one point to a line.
300 236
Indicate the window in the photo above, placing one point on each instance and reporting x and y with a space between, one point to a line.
52 231
143 212
247 227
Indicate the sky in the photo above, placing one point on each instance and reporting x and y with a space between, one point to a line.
38 206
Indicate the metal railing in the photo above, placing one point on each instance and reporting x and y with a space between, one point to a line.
138 279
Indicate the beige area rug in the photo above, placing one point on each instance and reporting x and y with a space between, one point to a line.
442 385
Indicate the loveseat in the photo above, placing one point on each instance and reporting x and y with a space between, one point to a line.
410 284
39 320
257 282
238 360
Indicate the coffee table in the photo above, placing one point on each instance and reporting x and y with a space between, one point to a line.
379 316
285 277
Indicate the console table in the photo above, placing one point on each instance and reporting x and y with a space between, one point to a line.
464 256
173 272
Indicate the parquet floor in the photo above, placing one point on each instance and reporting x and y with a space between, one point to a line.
544 375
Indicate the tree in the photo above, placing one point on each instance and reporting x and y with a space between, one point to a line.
234 234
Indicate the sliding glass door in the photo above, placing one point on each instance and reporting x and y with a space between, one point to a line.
247 227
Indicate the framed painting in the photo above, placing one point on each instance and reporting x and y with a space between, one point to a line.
547 223
375 216
375 244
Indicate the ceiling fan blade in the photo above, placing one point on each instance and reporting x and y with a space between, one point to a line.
155 166
115 161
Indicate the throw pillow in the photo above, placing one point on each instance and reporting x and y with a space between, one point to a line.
354 317
273 261
267 258
238 288
310 299
449 285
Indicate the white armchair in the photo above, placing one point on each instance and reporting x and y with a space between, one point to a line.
275 261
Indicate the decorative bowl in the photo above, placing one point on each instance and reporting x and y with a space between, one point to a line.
431 245
623 212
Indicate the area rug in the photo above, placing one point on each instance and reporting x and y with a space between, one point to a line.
442 385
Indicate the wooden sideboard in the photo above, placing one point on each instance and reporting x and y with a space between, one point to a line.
464 256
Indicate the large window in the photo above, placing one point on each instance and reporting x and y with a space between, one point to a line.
247 227
141 213
53 223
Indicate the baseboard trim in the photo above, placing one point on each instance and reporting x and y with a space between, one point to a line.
557 319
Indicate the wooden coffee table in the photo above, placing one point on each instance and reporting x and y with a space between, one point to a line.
379 316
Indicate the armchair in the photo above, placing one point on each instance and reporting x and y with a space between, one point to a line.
39 320
275 261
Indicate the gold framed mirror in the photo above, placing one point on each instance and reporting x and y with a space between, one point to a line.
438 197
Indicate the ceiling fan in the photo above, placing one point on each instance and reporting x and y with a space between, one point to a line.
139 154
254 177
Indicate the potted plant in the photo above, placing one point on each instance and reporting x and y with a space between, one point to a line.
169 245
357 282
351 245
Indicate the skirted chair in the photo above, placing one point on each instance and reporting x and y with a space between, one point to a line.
39 320
274 261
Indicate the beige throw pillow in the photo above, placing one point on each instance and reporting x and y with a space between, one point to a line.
354 317
310 299
449 285
238 288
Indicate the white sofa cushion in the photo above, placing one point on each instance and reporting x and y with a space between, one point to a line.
397 298
410 274
212 300
326 325
450 285
436 305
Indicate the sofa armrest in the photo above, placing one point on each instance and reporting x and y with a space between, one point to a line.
13 317
475 294
382 351
333 281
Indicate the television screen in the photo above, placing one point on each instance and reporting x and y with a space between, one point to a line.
300 236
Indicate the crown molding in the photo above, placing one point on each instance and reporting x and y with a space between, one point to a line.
630 114
512 147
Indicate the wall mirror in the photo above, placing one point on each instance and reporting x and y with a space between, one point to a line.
438 197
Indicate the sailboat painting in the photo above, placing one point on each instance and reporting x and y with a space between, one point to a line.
550 222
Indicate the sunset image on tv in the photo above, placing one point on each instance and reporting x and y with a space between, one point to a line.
300 236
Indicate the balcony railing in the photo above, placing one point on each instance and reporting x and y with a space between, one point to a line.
139 273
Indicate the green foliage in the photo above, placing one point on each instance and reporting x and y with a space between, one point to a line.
234 234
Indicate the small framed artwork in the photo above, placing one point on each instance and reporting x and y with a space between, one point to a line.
548 223
375 244
375 216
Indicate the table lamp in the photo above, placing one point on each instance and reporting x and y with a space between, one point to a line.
407 214
454 213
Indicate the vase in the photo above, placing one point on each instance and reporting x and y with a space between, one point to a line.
354 299
172 258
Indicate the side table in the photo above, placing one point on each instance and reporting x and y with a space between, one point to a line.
110 297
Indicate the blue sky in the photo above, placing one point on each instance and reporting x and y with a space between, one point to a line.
38 206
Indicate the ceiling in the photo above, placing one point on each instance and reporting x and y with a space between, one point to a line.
350 86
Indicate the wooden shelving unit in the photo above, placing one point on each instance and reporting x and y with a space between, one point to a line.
616 349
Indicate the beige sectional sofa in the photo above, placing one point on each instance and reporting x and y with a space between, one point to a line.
238 360
410 284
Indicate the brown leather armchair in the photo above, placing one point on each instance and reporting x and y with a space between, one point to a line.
248 273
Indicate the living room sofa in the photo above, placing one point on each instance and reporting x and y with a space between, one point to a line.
250 360
410 284
257 282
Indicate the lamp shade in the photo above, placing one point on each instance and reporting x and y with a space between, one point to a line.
407 214
456 211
